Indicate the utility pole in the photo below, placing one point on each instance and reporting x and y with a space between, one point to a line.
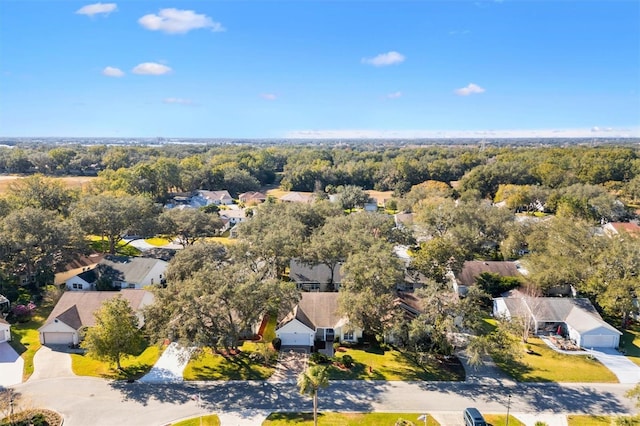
508 406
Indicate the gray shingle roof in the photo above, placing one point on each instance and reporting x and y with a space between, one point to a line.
76 308
302 273
473 268
316 310
128 269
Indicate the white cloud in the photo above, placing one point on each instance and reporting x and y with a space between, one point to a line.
465 134
384 59
470 89
175 21
97 9
112 72
269 96
151 68
178 101
394 95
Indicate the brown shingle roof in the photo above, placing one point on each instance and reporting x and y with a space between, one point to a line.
316 310
76 308
473 269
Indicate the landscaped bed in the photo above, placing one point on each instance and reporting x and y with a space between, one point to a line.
344 419
374 363
546 365
40 417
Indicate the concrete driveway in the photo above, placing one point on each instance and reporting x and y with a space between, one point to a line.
11 366
624 369
51 362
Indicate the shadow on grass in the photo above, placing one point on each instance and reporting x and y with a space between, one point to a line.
238 367
293 418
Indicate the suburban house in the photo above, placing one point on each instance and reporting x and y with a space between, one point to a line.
75 311
473 268
252 197
314 277
205 198
572 318
615 228
403 220
316 323
233 216
297 197
122 271
5 330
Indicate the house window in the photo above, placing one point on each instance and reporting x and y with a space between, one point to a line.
348 335
131 286
77 286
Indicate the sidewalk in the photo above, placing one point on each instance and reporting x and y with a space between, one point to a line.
170 366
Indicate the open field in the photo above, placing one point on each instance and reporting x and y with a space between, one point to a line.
76 182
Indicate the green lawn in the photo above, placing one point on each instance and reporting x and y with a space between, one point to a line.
102 246
344 419
584 420
546 365
157 241
631 343
210 366
210 420
501 420
377 364
26 339
132 367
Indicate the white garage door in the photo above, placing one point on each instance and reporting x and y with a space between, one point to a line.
602 341
58 338
294 339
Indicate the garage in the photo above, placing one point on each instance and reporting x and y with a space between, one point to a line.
294 339
57 338
600 341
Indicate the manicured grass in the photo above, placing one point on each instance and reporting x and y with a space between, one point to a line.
345 419
210 420
584 420
102 246
26 339
376 364
157 241
631 344
132 367
501 420
210 366
547 365
581 420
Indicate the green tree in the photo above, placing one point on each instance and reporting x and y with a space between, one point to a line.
309 383
42 193
352 196
116 334
112 217
367 290
189 225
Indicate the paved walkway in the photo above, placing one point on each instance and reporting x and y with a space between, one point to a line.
290 364
11 366
51 362
169 366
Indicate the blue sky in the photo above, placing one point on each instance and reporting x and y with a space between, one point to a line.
272 69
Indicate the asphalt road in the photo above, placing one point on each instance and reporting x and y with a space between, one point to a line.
89 401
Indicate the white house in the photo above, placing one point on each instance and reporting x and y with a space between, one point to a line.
205 198
124 272
575 318
315 322
5 330
74 311
233 216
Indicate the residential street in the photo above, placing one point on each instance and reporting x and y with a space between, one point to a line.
89 401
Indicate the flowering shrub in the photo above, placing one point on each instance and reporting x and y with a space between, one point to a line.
23 312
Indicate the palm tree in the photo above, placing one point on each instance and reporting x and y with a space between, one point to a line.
310 381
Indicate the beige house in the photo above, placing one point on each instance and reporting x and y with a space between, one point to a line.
75 311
